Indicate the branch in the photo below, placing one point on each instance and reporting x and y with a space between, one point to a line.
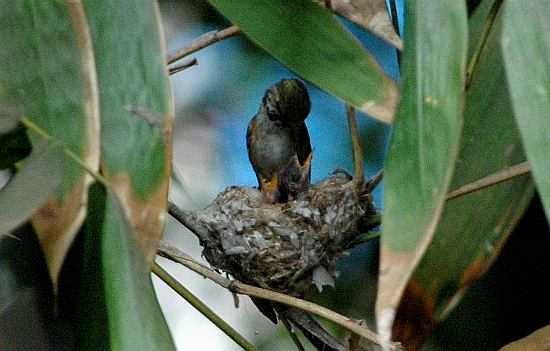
472 65
68 152
172 253
358 163
202 308
495 178
182 66
202 42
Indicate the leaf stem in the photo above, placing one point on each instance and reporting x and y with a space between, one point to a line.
474 61
203 41
492 179
356 147
69 153
202 308
183 66
173 254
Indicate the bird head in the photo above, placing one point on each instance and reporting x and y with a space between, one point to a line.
287 101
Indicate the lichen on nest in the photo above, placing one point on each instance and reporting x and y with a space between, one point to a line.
284 247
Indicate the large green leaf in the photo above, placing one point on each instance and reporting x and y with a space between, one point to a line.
136 110
31 187
472 228
47 72
310 41
526 50
424 143
116 307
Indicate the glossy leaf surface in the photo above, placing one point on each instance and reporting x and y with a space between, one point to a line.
310 41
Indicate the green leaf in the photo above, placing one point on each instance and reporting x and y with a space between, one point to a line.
31 187
310 41
48 72
526 50
136 110
424 144
473 227
117 308
14 146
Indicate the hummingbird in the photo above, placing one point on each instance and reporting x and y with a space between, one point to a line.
279 150
278 141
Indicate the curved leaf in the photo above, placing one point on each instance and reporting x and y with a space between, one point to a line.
136 111
31 187
310 41
473 227
525 37
48 70
117 308
424 143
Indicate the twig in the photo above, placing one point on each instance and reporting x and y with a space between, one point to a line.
356 147
202 42
172 253
182 66
202 307
69 153
395 22
374 181
293 335
472 65
490 180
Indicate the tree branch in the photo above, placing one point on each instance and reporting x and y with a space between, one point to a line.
182 66
358 163
490 180
202 308
172 253
202 42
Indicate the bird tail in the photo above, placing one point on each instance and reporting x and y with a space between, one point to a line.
311 329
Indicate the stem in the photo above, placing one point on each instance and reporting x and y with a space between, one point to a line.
201 307
495 178
358 163
293 335
235 286
374 181
44 134
395 22
182 66
202 42
474 61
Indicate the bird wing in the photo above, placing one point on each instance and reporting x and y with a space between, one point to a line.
303 144
250 139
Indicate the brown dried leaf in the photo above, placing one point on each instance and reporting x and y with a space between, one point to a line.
537 341
371 15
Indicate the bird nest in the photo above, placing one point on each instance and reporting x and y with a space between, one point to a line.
286 247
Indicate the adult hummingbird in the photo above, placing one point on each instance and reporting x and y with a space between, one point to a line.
279 149
278 141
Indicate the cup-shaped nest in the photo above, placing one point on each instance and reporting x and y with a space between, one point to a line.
285 247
